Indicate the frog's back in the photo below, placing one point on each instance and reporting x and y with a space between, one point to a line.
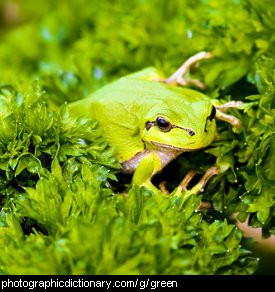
130 92
119 107
140 91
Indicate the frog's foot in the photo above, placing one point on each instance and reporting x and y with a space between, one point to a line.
220 113
178 77
199 187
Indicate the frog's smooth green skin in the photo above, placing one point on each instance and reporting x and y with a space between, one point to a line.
149 122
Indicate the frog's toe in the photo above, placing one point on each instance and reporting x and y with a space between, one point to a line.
185 82
189 176
162 187
231 104
199 187
235 122
212 171
222 109
178 78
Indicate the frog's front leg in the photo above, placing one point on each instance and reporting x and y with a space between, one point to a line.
147 168
178 78
151 164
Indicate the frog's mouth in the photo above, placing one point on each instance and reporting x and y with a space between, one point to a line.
171 147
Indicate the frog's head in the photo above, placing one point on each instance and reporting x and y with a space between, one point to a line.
180 124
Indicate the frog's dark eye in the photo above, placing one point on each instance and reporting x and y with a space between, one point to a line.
163 124
213 114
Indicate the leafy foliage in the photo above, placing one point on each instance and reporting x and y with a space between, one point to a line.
59 214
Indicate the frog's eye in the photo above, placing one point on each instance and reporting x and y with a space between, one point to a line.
163 125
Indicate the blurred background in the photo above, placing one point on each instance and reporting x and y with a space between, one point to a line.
74 47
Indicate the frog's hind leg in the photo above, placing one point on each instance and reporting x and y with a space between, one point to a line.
221 115
178 77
